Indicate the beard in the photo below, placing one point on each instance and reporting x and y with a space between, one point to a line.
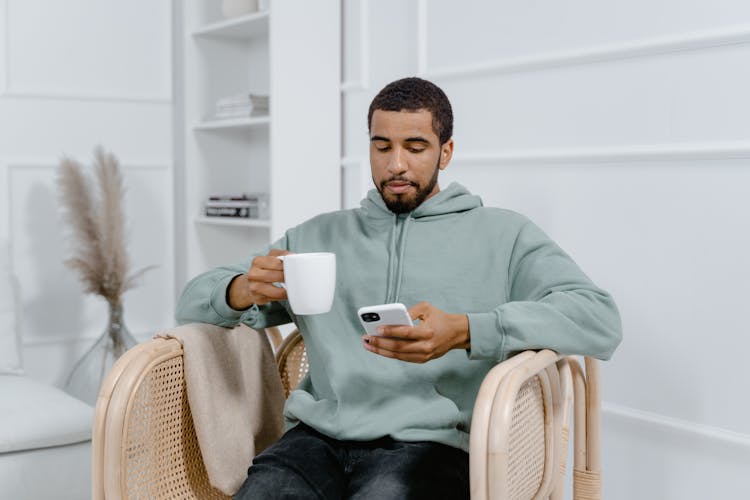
402 203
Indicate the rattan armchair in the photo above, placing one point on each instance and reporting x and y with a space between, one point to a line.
144 443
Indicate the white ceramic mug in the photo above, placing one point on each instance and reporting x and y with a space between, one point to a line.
310 281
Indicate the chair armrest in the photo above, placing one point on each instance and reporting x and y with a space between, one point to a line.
480 423
144 442
531 395
112 406
143 420
505 396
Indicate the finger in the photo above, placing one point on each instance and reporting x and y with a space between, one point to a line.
269 291
268 262
265 275
398 345
401 332
411 357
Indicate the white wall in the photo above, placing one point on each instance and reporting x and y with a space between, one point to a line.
622 129
73 75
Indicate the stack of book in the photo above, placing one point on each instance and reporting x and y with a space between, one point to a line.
251 206
241 106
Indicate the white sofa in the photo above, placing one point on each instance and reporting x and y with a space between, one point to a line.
45 434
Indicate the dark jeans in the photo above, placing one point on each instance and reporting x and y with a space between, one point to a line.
306 464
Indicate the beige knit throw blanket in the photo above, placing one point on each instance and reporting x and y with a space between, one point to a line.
235 397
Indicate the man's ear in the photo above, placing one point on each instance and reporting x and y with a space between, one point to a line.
446 153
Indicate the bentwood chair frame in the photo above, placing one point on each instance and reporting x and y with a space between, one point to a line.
144 443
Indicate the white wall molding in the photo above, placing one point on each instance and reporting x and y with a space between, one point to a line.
9 166
664 423
21 163
68 96
645 47
650 152
38 340
8 90
364 52
16 165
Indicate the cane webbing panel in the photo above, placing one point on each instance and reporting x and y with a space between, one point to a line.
526 442
293 365
161 457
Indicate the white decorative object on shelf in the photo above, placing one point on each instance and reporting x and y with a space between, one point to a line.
241 106
248 205
235 8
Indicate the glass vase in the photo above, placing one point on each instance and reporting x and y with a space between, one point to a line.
89 372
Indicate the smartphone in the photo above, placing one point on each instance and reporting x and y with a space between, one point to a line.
372 317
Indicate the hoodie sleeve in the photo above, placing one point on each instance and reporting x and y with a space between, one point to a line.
552 305
204 299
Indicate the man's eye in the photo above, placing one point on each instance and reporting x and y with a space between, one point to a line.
416 150
383 149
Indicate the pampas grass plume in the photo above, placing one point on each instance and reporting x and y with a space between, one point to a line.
97 223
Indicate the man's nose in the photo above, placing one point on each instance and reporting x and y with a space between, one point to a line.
397 162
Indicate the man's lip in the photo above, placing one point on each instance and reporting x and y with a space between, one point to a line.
398 187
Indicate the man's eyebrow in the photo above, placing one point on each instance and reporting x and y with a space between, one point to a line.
408 139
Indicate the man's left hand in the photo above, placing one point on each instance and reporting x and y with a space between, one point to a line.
437 333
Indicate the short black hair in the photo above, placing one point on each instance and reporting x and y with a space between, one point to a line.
413 94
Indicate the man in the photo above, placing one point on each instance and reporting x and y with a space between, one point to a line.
388 416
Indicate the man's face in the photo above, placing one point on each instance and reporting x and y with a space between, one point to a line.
405 157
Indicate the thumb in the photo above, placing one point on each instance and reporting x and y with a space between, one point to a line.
419 311
274 252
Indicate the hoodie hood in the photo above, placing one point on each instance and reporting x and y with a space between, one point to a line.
453 199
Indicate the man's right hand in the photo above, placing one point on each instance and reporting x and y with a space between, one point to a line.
256 286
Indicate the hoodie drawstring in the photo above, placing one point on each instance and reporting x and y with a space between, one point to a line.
395 264
402 250
391 259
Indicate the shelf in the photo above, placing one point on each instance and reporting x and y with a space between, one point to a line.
244 27
232 221
236 123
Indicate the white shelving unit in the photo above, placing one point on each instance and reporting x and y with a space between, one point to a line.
292 53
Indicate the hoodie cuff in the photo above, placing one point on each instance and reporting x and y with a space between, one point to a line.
487 336
218 300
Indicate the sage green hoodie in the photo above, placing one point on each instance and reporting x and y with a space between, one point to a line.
518 288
